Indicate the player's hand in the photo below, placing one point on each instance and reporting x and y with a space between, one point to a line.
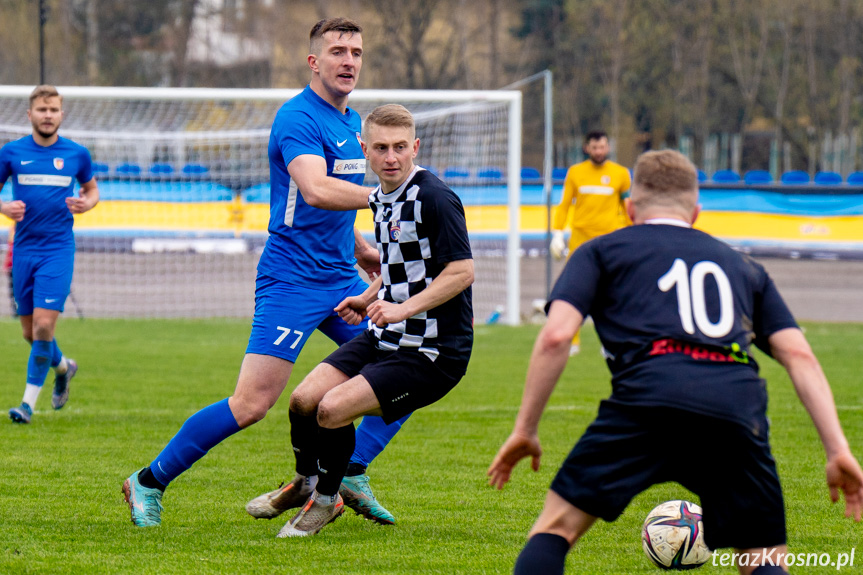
383 313
369 261
844 473
78 205
514 449
557 245
14 210
352 310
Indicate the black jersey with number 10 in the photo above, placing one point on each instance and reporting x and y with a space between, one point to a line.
676 311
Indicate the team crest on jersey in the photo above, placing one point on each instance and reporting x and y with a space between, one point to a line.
605 180
58 163
395 231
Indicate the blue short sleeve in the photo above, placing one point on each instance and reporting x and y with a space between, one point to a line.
85 168
5 169
297 134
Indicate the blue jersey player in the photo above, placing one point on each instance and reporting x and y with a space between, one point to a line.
676 311
44 168
306 269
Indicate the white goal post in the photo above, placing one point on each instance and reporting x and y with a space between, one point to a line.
183 175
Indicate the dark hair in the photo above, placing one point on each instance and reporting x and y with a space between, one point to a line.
341 25
595 135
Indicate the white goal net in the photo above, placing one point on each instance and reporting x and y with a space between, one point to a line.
184 183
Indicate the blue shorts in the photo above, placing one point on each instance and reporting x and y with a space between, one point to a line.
286 315
42 280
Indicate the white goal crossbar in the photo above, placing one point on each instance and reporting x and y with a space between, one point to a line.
457 99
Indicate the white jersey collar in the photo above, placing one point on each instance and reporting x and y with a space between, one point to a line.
668 222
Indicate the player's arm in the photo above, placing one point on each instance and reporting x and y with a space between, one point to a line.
624 193
353 309
326 192
13 210
558 245
367 255
455 277
550 353
88 197
790 348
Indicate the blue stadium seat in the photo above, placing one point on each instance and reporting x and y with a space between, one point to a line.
702 177
489 173
161 169
129 169
757 177
100 168
795 177
455 172
726 177
195 169
855 179
559 174
828 178
528 174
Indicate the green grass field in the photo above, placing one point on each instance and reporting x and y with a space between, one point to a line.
61 510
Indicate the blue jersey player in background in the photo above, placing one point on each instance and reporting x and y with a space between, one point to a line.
307 268
44 168
676 311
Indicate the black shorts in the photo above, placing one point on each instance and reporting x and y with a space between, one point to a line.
627 449
403 380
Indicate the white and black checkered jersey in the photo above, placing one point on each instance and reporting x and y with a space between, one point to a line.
420 227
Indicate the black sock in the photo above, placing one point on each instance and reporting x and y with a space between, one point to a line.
304 438
355 469
337 446
543 554
147 479
768 570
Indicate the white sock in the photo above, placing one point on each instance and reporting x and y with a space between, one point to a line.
61 367
311 481
31 394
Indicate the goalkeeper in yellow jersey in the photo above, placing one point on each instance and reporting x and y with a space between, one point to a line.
593 192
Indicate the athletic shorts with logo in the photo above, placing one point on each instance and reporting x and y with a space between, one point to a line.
286 315
403 380
42 280
629 448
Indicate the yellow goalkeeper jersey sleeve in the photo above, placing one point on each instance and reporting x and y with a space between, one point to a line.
594 195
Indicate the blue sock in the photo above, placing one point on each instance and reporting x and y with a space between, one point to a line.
201 432
544 553
39 362
372 436
56 354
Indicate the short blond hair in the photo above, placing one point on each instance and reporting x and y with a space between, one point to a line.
391 115
666 178
44 91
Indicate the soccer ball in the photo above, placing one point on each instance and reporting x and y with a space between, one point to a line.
673 536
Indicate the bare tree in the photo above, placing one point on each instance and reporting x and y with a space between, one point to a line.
610 26
748 48
779 72
92 24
